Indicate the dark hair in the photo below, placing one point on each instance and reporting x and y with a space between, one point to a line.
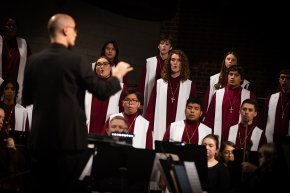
133 91
213 137
7 81
237 68
166 37
251 101
223 146
194 100
100 58
96 64
220 83
4 21
285 71
116 59
15 85
225 143
268 151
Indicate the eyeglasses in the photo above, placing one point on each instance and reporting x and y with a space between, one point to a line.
105 64
132 101
228 152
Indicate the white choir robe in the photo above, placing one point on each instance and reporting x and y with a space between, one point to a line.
161 103
245 94
151 65
255 137
214 80
140 131
271 117
22 46
113 106
29 110
177 129
20 117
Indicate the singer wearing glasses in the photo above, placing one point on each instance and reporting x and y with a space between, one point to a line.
137 124
97 110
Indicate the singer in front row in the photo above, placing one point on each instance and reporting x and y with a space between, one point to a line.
246 135
190 130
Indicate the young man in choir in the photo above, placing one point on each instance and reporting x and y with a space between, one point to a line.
246 134
153 67
224 110
190 130
168 98
137 124
275 118
220 79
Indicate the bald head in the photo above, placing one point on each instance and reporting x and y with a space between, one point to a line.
58 28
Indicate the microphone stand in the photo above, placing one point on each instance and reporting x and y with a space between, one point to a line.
245 151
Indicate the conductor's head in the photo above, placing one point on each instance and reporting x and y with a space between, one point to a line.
62 29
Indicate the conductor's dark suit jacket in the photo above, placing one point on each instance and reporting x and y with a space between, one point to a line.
55 81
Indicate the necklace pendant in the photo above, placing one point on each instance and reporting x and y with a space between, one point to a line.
231 109
172 99
282 115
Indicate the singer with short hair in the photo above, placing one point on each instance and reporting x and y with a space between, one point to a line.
246 134
275 119
224 109
190 130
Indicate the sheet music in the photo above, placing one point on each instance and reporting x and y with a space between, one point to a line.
193 177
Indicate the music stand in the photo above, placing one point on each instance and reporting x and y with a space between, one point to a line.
180 177
115 138
119 168
187 152
166 166
282 144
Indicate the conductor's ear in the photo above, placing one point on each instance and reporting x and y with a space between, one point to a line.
64 31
